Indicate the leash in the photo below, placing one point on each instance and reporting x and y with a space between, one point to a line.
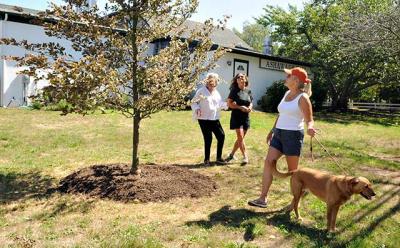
323 147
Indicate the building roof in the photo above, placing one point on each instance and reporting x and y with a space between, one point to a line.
11 9
253 53
221 37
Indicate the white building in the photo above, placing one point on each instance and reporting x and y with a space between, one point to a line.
16 22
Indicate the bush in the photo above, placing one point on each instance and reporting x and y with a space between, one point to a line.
270 101
36 105
319 95
62 105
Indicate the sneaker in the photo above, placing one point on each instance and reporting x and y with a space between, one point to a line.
230 157
245 161
207 163
257 203
220 161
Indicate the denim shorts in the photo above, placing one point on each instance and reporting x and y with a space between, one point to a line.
288 142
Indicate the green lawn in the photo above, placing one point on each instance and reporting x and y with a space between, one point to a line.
38 148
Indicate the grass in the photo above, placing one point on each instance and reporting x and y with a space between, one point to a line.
38 148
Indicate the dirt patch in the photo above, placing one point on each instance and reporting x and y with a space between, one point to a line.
388 158
156 183
388 175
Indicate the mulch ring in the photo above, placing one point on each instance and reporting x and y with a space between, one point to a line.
156 183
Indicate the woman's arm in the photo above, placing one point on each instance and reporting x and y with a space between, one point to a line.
306 108
196 102
271 132
232 104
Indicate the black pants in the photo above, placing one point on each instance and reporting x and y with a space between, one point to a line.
207 128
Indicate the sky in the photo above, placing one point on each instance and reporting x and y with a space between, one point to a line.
239 10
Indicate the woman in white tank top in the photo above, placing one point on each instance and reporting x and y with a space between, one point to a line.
286 137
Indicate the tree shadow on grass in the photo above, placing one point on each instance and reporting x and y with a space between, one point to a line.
319 237
375 205
15 186
198 165
349 118
243 218
24 186
365 232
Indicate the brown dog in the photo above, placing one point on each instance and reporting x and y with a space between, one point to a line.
334 190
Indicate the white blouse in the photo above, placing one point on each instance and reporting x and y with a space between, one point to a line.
209 103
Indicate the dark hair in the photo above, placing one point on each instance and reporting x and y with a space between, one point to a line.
234 84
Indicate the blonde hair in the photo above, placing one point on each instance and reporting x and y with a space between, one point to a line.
306 88
211 75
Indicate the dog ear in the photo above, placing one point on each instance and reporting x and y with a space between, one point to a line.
354 181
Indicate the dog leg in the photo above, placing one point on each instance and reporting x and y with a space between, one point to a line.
334 213
329 218
297 191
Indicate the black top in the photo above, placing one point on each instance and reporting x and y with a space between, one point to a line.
242 98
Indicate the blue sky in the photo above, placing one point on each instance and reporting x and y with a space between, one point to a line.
240 10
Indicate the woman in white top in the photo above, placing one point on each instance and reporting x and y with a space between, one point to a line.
207 104
286 137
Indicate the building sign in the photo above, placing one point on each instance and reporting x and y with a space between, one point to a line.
274 65
240 66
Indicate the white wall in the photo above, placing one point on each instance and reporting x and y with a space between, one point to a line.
12 82
259 78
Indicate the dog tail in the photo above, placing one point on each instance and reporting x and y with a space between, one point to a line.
279 174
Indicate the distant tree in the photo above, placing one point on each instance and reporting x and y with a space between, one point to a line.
368 29
312 35
253 34
115 68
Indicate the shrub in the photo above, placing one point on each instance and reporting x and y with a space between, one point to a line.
269 102
36 105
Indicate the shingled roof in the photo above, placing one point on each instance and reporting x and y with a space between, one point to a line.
222 37
17 10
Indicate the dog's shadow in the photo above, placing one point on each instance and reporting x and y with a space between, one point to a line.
244 218
290 225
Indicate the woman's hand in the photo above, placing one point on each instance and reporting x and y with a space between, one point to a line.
198 112
245 109
311 131
269 137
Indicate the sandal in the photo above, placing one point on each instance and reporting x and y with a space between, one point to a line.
257 203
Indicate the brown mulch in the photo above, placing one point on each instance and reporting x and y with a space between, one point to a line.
156 183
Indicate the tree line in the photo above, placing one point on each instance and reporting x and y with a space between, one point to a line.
354 46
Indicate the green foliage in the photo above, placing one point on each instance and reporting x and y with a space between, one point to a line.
270 101
390 93
61 105
253 34
333 37
319 95
36 105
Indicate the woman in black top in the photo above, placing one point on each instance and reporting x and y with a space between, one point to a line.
240 101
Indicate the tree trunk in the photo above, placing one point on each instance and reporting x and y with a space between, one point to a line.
340 103
135 90
135 145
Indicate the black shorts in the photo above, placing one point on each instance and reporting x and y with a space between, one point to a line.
288 142
239 122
